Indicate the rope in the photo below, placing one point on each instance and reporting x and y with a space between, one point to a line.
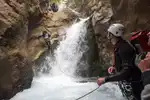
87 93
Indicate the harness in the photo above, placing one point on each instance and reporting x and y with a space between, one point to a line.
126 90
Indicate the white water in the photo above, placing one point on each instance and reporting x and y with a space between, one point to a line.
57 85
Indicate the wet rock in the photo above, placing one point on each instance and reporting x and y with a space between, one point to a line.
16 75
132 13
15 22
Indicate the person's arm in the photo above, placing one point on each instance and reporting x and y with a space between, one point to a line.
124 74
39 37
126 53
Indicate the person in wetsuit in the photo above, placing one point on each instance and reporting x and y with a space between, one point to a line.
46 36
54 7
126 73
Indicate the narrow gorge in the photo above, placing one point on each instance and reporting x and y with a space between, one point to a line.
25 56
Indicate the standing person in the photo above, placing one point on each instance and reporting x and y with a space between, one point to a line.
144 65
126 73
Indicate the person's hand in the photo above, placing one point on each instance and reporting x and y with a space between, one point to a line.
144 64
101 81
111 70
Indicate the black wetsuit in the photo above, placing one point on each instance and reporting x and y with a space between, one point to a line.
127 71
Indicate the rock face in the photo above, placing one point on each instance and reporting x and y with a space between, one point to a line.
16 75
134 14
16 66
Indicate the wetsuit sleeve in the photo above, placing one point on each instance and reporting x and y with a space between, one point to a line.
126 53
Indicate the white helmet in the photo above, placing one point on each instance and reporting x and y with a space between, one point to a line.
116 29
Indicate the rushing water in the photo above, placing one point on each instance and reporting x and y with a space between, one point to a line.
61 83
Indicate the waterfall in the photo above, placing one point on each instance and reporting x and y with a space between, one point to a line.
70 51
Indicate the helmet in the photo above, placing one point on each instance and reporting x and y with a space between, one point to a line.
116 29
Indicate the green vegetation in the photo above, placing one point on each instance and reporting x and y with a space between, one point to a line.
56 1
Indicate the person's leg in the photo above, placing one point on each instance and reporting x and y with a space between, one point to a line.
49 44
126 90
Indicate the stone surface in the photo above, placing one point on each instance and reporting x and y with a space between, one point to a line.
16 65
16 75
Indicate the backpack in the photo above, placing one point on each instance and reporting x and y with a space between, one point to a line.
140 38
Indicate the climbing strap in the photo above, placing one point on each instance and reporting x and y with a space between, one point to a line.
126 90
87 93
